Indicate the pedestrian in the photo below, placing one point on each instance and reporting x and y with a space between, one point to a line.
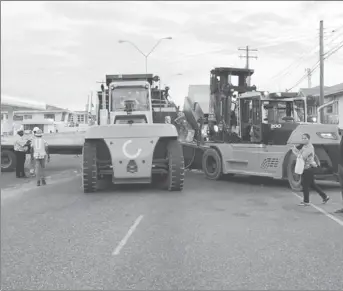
306 152
340 168
33 166
39 154
20 149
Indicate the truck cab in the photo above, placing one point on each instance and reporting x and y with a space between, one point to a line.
134 98
269 118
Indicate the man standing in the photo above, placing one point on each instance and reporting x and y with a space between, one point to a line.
20 149
33 166
39 153
340 167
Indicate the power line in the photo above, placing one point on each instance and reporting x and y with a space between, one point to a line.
330 53
305 76
316 66
285 72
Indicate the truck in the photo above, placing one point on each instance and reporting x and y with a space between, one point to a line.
251 132
135 140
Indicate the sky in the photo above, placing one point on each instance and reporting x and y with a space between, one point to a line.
55 52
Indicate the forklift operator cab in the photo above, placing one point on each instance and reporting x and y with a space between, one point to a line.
266 119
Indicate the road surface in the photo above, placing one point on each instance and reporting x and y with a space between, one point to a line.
224 235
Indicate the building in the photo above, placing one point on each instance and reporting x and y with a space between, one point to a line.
11 104
79 117
332 112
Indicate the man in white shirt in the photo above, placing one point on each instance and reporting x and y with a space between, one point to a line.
20 148
39 153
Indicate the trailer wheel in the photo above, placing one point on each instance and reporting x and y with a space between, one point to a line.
212 164
89 171
176 167
8 161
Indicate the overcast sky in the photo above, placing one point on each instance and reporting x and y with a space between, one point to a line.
56 51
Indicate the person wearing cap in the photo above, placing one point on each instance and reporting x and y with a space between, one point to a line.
21 145
39 153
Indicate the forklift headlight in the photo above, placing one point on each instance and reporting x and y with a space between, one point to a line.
216 128
327 135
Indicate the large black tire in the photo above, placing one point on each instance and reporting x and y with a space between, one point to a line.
176 173
212 164
8 161
89 170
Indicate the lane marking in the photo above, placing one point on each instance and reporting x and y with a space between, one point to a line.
340 222
131 157
127 236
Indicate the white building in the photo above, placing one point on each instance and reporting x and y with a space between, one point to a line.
333 113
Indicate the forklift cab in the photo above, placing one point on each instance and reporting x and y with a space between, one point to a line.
269 118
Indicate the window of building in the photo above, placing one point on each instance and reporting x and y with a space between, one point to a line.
18 118
80 118
49 116
329 109
27 116
4 116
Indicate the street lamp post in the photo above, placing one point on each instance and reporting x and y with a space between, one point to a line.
145 55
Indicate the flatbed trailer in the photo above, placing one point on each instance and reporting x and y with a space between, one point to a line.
65 143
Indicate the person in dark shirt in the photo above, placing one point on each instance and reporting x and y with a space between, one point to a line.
340 167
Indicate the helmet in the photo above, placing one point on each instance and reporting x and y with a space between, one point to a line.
35 129
39 133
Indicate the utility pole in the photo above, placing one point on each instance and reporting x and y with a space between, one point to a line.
309 75
247 56
321 63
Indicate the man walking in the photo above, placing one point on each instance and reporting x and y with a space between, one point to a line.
340 168
39 153
20 149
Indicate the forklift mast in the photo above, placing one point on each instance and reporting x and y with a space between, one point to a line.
222 90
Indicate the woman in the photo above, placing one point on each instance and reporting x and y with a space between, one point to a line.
306 152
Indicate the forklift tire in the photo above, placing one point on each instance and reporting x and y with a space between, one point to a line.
294 179
176 173
8 161
89 170
212 164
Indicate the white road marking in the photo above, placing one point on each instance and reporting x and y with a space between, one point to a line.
131 157
127 236
340 222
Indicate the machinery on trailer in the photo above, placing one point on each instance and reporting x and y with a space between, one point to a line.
133 142
256 139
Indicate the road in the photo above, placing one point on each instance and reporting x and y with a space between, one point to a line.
245 233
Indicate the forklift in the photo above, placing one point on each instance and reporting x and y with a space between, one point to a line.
253 133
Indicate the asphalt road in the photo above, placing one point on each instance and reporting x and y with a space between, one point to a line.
58 164
246 234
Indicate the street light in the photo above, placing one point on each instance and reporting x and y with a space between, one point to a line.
146 55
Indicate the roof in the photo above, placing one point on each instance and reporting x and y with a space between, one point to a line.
55 108
15 103
315 91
